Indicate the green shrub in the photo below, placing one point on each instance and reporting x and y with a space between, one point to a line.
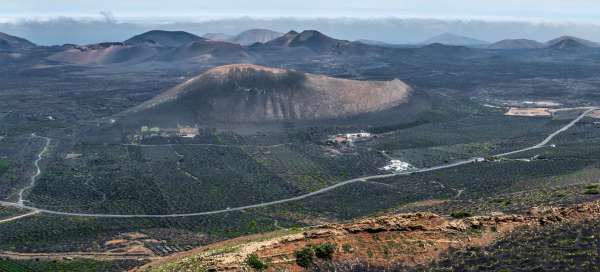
325 251
460 214
255 262
3 166
591 192
304 257
347 248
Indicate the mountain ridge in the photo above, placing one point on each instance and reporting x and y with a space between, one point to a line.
9 42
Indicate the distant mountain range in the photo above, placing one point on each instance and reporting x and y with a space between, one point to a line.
256 46
247 37
453 39
564 42
516 44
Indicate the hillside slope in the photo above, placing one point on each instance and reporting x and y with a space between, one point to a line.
8 42
383 243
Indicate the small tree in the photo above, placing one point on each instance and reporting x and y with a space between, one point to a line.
304 257
325 251
255 262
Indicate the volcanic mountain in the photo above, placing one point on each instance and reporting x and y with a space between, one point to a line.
569 39
164 38
105 53
569 44
313 40
253 36
516 44
206 50
452 39
8 42
220 37
249 94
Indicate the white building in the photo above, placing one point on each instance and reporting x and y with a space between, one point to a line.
397 166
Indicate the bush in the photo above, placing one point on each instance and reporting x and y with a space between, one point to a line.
591 192
3 166
304 257
325 251
347 248
460 214
255 262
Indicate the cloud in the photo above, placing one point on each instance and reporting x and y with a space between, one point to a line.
548 10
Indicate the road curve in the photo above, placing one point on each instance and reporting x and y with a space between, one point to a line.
321 191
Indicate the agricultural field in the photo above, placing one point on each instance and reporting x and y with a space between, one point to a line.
69 265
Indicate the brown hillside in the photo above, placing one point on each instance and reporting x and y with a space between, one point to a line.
385 241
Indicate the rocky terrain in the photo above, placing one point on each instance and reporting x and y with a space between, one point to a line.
382 242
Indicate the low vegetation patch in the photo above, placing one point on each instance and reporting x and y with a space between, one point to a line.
460 214
255 262
4 164
304 257
325 251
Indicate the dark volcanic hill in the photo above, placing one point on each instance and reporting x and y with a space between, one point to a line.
105 53
569 44
207 50
164 38
8 42
569 39
249 94
516 44
199 50
253 36
452 39
220 37
313 40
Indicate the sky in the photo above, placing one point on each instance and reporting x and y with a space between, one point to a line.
49 22
530 10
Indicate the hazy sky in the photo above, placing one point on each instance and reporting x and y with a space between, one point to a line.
50 22
538 10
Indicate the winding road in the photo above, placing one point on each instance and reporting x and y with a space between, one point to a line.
35 210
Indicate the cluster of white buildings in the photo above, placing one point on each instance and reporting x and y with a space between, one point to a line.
180 131
349 137
397 166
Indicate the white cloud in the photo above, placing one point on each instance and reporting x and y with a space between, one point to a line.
547 10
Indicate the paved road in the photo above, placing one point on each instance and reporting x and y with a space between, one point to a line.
324 190
6 220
